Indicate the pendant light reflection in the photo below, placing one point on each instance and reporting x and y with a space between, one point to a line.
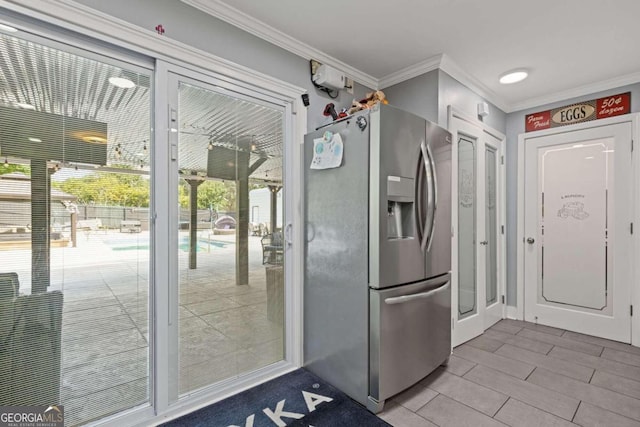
25 106
121 82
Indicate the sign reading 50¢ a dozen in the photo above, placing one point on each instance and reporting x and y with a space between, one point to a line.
600 108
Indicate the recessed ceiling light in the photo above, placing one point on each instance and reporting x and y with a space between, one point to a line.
7 28
35 140
26 106
121 82
514 76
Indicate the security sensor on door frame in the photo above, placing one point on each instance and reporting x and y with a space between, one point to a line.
483 109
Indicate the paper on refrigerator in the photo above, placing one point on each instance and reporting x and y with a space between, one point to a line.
327 151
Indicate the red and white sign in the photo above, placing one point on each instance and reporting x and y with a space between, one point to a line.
538 121
614 105
594 109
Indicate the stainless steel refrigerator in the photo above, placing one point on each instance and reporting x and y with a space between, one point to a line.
377 296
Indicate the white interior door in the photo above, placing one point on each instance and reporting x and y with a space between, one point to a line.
478 243
577 234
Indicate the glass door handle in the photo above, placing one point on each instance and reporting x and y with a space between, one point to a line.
287 234
531 240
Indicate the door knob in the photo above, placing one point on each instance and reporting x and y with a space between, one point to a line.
484 243
530 240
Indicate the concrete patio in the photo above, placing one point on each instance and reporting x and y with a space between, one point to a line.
224 329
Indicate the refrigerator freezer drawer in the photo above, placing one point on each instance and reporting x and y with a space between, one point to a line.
409 334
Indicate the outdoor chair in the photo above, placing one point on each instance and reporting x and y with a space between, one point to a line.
30 349
272 248
9 285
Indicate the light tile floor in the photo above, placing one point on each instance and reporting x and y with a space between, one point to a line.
522 374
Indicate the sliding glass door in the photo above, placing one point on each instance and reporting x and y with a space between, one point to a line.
228 243
75 141
137 267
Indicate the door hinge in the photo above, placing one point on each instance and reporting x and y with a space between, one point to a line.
502 228
502 299
632 145
631 310
502 160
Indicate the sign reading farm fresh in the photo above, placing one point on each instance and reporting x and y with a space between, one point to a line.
582 112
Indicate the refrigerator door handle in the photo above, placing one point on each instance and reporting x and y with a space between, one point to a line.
434 197
419 198
427 225
421 295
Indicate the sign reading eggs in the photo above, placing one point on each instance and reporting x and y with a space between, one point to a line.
574 114
601 108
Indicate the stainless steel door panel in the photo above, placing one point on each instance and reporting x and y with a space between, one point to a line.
395 145
438 251
409 334
336 264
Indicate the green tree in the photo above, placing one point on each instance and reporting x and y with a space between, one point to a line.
6 168
108 189
218 195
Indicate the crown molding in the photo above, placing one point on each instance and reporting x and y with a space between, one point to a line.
410 72
92 23
95 24
237 18
576 92
454 70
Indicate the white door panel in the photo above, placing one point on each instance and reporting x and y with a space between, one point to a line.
477 217
493 247
577 268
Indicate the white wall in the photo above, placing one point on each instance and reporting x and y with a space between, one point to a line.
452 92
418 95
260 206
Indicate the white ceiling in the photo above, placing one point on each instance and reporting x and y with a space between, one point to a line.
571 47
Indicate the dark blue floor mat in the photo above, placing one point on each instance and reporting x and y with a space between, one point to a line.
295 399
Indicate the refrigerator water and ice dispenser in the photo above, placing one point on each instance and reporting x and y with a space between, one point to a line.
400 208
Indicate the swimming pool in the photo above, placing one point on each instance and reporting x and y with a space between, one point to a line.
142 244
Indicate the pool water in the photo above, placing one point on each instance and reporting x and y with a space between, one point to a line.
143 244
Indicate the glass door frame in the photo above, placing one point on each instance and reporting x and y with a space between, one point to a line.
80 27
76 44
460 125
167 401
